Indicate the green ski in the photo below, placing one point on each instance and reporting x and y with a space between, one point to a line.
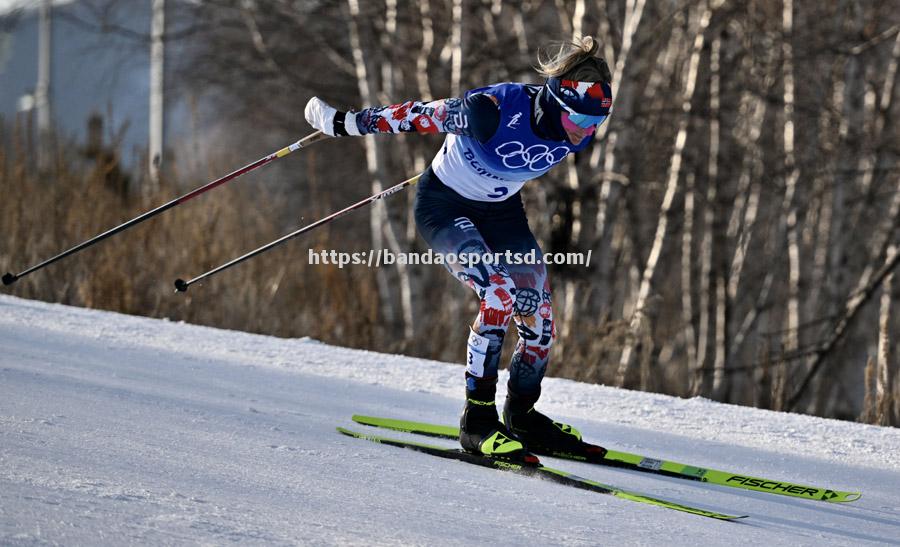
537 470
613 458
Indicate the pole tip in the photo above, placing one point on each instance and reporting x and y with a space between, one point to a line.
9 278
181 285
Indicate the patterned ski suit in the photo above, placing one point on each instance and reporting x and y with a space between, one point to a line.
468 201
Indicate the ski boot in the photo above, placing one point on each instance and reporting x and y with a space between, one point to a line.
480 430
537 432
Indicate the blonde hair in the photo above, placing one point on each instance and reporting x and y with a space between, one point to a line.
575 60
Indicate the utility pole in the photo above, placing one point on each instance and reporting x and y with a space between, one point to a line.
157 104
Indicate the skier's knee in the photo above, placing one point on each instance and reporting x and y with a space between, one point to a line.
497 305
534 318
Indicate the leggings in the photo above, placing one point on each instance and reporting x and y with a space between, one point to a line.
454 225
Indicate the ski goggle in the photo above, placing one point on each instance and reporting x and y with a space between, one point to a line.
583 121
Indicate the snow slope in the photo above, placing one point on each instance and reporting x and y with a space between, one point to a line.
120 430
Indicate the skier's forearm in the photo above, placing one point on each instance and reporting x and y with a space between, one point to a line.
476 116
440 116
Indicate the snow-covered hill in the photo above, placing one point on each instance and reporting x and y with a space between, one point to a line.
121 430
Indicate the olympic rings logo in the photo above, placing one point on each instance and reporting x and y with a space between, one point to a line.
537 157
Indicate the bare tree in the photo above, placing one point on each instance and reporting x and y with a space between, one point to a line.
886 370
639 314
880 240
623 100
42 89
157 98
788 207
381 226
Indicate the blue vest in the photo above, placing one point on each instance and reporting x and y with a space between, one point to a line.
497 169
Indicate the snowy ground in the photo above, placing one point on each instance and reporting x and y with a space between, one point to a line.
121 430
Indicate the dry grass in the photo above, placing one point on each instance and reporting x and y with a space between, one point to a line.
74 199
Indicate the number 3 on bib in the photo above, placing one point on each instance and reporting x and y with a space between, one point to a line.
499 192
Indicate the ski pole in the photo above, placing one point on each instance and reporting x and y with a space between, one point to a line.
9 278
181 285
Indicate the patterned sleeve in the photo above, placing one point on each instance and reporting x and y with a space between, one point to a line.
475 116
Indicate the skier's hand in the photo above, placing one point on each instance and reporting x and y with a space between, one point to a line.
321 115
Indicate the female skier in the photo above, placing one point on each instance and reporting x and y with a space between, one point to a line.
468 203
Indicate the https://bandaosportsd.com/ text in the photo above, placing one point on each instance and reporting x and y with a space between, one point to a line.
375 258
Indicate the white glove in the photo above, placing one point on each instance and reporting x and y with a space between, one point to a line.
320 115
323 116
